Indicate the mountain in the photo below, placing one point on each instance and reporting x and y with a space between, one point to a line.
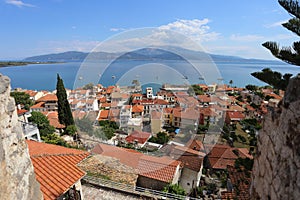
149 53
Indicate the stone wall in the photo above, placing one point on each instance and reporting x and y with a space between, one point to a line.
16 170
276 171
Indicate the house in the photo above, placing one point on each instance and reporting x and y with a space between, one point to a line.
157 121
157 172
56 170
185 117
34 95
153 172
222 156
134 124
137 111
138 137
49 102
233 117
103 115
192 165
53 120
125 115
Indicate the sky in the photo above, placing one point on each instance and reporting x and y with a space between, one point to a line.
226 27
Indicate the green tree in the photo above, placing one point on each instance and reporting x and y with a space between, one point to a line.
54 139
230 83
289 54
161 138
22 98
64 111
42 123
71 130
174 189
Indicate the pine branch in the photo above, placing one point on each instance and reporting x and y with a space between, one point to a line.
291 6
293 25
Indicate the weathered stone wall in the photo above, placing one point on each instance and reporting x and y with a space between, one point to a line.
276 171
17 178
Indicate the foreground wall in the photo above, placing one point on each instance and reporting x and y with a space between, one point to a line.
16 170
276 172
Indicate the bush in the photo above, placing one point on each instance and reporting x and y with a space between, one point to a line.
174 189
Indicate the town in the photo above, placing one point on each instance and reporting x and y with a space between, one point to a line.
196 141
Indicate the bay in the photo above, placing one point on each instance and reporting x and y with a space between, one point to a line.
43 76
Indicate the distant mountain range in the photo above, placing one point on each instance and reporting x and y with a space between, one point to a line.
153 53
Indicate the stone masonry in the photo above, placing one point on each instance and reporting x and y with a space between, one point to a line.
276 171
16 170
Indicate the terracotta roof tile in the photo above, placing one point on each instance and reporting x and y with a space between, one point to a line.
38 105
140 137
159 168
47 97
137 109
55 167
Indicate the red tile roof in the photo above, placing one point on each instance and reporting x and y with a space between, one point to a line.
21 111
222 156
103 115
139 136
137 109
126 156
47 97
55 167
235 115
159 168
38 105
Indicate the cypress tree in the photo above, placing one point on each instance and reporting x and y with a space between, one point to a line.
64 111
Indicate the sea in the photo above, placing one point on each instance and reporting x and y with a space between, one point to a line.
43 76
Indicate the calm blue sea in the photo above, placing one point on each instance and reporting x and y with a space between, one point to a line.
43 76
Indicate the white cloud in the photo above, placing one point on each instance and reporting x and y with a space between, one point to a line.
196 29
19 3
246 38
276 24
117 29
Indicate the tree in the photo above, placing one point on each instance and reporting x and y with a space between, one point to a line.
64 111
22 98
289 54
273 78
42 123
230 83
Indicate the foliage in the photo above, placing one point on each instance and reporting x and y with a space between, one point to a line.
212 187
251 87
289 54
108 123
54 139
247 163
22 98
88 86
195 89
64 111
71 130
273 78
161 138
109 128
42 123
174 189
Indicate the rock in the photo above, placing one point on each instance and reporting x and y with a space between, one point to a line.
276 172
16 170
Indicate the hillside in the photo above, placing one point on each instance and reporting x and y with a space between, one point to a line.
153 53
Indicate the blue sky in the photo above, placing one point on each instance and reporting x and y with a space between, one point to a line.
229 27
